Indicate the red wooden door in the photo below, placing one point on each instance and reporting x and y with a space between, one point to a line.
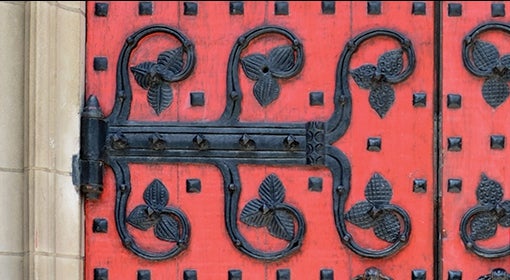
292 140
474 188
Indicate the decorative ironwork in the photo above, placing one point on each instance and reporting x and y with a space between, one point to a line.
157 76
483 219
169 223
271 212
483 59
378 213
117 141
379 78
279 63
372 273
496 274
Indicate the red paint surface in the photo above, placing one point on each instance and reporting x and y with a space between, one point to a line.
475 121
407 136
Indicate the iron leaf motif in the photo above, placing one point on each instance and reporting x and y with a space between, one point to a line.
377 80
153 213
496 69
265 69
268 211
156 78
373 213
484 224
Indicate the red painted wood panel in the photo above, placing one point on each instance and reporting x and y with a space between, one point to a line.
474 121
406 131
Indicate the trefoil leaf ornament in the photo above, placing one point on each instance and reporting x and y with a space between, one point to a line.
495 68
376 211
269 210
378 79
153 214
157 76
264 70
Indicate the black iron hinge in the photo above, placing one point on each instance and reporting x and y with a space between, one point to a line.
88 165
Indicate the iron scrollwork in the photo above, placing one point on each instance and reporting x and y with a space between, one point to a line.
225 143
389 70
483 59
481 222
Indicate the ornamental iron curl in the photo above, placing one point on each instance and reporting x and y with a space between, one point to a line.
483 59
481 222
116 141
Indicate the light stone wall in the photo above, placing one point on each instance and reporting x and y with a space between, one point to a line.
42 47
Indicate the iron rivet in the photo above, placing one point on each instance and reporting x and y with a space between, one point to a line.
100 63
497 142
454 10
327 274
498 10
197 98
328 7
453 101
374 144
454 275
144 274
123 187
469 245
347 237
281 8
193 185
101 9
316 98
145 8
419 99
419 8
419 274
315 184
234 95
454 185
454 144
283 274
100 225
236 7
420 186
374 7
190 8
237 243
100 273
403 237
231 187
340 189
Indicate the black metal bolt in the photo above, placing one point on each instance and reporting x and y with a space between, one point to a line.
497 142
316 98
419 274
420 186
101 9
100 63
454 144
419 8
454 275
236 7
374 7
454 10
498 9
419 99
190 8
453 101
315 184
100 225
290 143
145 8
328 7
374 144
193 185
454 185
281 8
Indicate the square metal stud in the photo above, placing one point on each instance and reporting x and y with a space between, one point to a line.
498 10
419 8
190 8
144 275
453 101
101 9
497 142
100 274
189 274
281 8
419 99
100 63
454 275
193 185
283 274
454 9
327 274
315 184
197 98
145 8
419 274
316 98
374 144
454 144
374 7
235 274
236 8
100 225
454 185
420 186
328 7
